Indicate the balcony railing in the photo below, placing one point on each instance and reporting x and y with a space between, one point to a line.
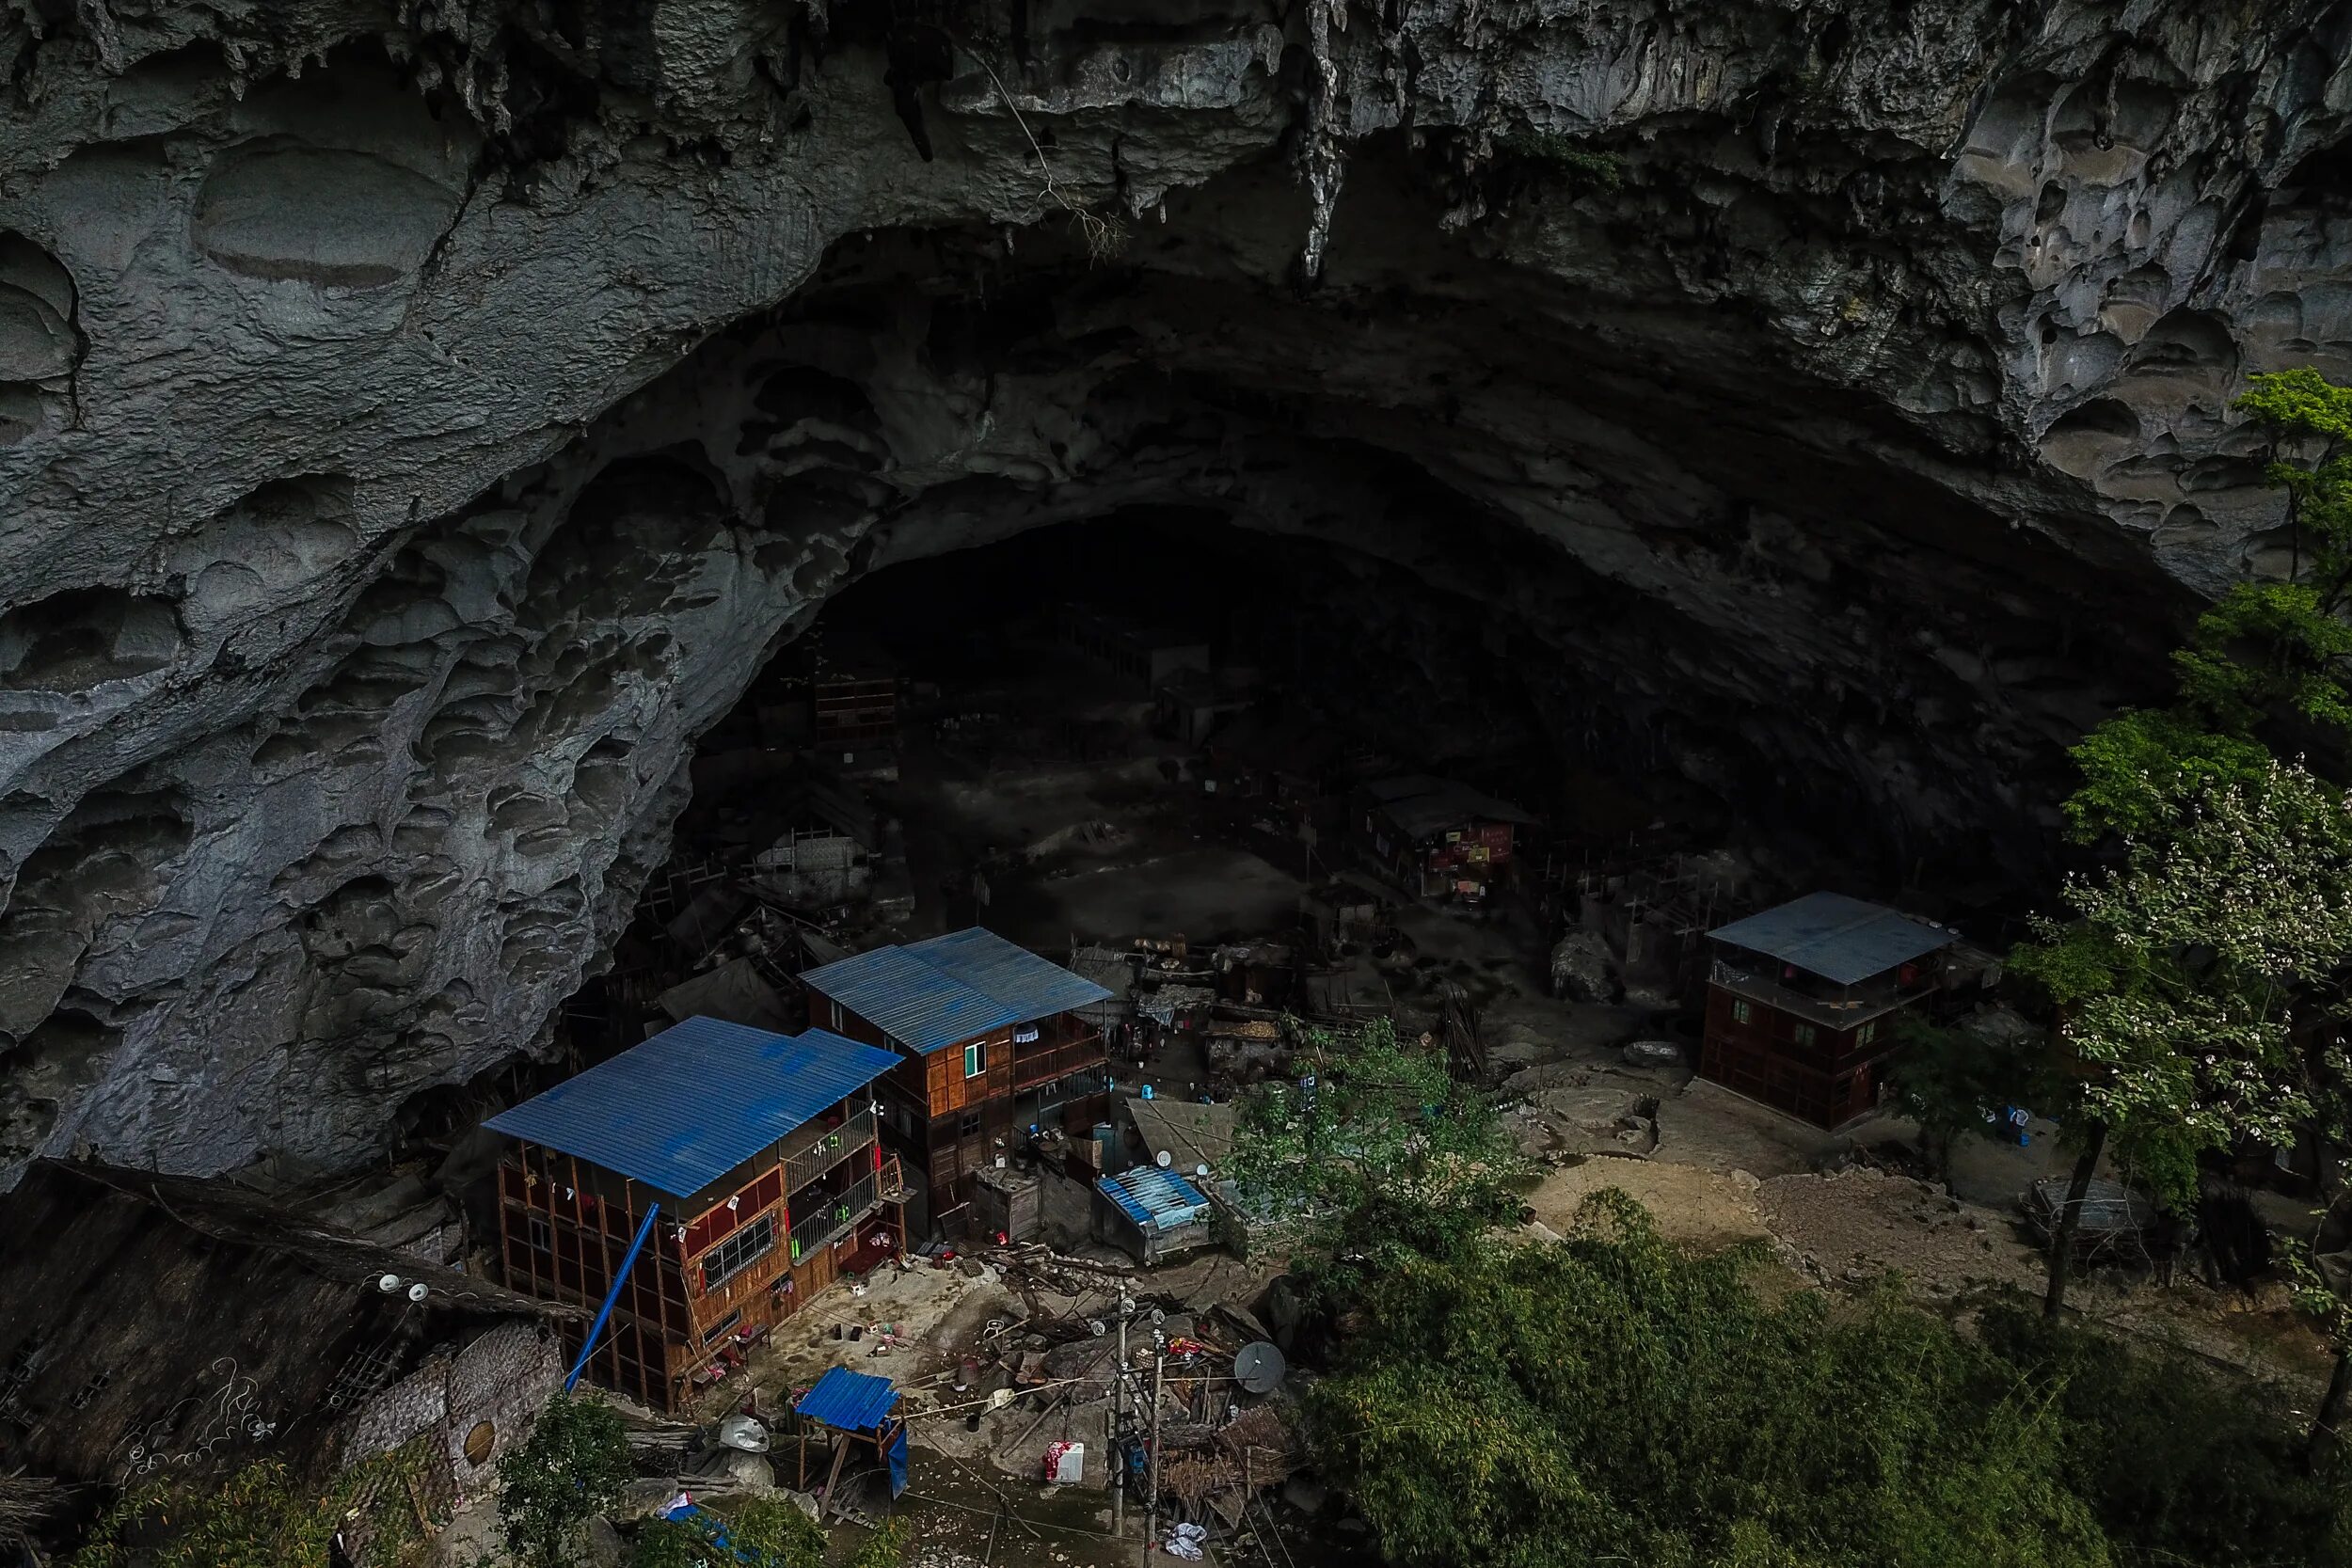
822 1148
1050 1059
1856 1004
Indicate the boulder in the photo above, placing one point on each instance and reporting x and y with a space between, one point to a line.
1582 969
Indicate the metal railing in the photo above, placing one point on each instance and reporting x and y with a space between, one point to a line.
840 1215
822 1148
1857 1004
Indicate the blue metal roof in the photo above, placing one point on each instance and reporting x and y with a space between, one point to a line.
1032 986
848 1400
694 1102
935 993
1153 1198
1840 939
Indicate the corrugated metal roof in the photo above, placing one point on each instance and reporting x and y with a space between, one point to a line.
848 1400
1154 1198
1421 804
1031 986
694 1102
1840 939
933 994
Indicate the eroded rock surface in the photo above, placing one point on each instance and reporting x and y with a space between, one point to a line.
418 422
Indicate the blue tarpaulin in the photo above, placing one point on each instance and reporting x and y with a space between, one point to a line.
848 1401
898 1464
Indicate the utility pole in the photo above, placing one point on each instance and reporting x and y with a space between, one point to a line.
1118 1457
1152 1499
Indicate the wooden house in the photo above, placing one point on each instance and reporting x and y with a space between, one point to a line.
1800 1002
986 1038
763 1154
1436 836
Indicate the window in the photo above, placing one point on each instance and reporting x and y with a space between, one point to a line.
1805 1034
1864 1035
974 1059
1739 1013
971 1124
725 1327
539 1236
738 1252
836 1018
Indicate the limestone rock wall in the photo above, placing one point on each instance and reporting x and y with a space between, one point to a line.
418 421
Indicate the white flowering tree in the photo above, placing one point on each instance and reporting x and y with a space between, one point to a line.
2197 977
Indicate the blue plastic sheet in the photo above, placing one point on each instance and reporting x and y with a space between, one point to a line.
898 1463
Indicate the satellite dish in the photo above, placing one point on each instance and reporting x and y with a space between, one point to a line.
1201 1172
1158 1317
389 1283
1097 1327
1259 1368
418 1291
1164 1159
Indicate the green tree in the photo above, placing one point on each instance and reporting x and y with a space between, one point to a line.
572 1468
2181 1043
1386 1154
1954 1082
1612 1399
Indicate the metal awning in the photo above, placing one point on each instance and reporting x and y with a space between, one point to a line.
850 1401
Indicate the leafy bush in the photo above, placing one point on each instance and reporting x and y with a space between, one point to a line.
1612 1399
259 1518
766 1532
1584 167
2181 1464
571 1470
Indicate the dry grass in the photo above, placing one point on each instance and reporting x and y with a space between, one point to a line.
25 1501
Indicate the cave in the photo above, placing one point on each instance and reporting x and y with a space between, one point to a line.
425 440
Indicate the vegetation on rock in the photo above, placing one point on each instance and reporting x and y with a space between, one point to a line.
572 1468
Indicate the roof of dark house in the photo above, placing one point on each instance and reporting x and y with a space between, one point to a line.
178 1316
1421 804
1842 939
694 1102
929 995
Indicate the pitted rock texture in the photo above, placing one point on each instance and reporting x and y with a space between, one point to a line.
418 422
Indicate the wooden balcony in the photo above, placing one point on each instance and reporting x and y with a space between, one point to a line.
1050 1058
1839 1010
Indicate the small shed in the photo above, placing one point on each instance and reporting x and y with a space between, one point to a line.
1150 1213
1007 1202
858 1408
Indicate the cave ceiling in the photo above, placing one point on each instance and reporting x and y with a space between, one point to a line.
418 424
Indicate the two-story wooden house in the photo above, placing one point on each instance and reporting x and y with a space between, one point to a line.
762 1152
986 1039
1801 998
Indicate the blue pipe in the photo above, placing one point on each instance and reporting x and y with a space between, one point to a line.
587 1346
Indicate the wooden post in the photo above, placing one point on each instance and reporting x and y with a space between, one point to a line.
833 1480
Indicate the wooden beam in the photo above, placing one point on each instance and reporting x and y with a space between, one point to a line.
832 1481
